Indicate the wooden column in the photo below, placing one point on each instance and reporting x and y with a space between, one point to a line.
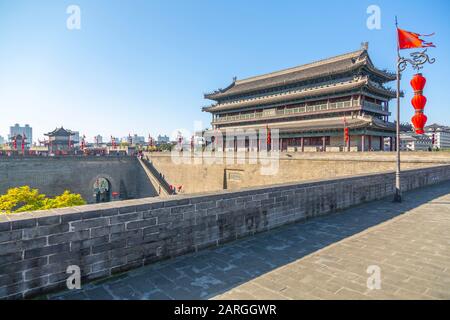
257 142
363 142
348 143
370 143
390 144
302 144
381 143
324 146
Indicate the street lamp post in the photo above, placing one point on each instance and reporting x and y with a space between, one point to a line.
417 60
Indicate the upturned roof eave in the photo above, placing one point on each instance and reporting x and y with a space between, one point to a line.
224 94
59 131
305 94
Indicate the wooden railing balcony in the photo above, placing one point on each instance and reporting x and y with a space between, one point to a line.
274 113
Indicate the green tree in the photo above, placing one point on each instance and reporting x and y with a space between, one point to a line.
24 198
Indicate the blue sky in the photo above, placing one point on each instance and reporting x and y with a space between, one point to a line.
143 66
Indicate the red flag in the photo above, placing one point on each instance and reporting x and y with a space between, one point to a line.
409 40
269 136
23 143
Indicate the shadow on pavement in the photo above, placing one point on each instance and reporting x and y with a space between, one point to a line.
214 271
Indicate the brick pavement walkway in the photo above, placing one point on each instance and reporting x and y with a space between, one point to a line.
324 258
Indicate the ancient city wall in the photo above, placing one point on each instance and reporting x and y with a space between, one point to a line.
53 175
195 176
36 248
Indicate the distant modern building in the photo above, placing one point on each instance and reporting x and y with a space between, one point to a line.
76 139
163 139
310 105
26 131
415 142
116 141
2 140
439 135
137 140
98 139
60 141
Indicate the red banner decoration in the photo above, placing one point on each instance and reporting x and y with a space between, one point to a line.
409 40
418 101
23 143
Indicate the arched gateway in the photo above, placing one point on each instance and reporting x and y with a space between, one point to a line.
102 190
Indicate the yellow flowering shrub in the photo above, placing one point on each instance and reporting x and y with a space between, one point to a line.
24 198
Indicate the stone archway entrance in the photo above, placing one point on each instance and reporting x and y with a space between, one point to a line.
102 190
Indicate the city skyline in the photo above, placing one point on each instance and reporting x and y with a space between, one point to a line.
148 75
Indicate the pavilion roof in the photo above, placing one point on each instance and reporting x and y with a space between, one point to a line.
60 132
334 65
17 137
331 88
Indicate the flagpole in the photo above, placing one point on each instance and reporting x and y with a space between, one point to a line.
398 191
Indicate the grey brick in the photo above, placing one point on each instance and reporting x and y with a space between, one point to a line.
182 209
34 243
127 209
23 265
11 278
7 236
125 217
205 205
93 258
91 223
109 246
36 232
141 223
68 237
38 252
126 234
10 247
10 257
87 215
71 217
23 223
83 244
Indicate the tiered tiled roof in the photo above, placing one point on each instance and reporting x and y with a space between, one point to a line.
330 88
60 132
335 65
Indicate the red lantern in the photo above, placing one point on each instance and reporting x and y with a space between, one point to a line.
419 101
418 82
419 121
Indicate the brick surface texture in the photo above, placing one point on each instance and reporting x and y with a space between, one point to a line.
36 248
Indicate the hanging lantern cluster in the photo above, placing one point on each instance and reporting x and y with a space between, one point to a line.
418 101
